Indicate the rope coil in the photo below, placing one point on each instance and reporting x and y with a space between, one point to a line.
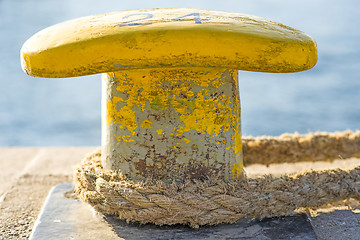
210 202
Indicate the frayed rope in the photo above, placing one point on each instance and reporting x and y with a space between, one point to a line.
211 202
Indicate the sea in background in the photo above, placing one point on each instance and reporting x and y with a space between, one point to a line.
66 112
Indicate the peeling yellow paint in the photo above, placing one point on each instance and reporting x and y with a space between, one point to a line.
125 117
236 170
156 94
118 138
123 138
127 140
150 81
159 131
190 105
146 124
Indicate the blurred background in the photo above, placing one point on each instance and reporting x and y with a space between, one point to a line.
66 112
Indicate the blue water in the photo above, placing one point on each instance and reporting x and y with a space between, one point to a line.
66 112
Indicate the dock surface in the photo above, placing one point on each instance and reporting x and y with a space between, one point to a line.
28 174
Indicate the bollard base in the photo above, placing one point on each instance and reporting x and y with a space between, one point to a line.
69 218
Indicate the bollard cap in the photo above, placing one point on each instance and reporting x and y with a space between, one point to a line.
166 38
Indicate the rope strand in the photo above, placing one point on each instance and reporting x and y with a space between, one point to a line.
210 202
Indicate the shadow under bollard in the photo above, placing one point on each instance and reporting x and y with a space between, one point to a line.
293 227
69 218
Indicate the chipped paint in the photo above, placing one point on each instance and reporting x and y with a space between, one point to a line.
187 117
146 124
159 131
125 116
160 121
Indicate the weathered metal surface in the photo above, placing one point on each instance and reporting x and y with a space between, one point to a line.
169 112
179 123
63 218
166 38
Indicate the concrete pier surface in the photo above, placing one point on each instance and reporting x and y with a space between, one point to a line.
27 175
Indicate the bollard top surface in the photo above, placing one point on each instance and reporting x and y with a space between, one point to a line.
166 38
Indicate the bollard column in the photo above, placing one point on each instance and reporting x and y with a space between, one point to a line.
172 123
171 107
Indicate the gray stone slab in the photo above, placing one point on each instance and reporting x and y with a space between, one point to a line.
63 218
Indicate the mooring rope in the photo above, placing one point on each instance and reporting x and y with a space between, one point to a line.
293 148
213 201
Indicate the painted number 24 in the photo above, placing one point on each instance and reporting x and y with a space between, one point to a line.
145 16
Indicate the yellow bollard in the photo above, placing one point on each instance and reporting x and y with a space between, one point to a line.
171 106
172 123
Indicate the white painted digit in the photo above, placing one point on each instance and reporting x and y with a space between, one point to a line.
130 23
196 17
